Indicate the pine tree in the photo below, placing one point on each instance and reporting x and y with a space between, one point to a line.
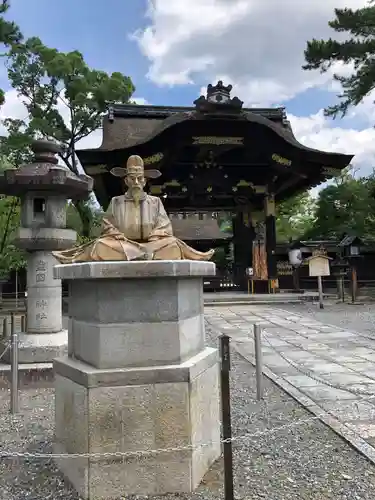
357 50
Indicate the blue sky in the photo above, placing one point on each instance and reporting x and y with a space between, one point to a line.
101 30
249 43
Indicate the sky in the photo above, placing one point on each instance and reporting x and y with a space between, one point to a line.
173 48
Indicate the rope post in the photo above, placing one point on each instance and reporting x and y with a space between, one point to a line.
320 289
258 360
226 417
23 323
5 327
14 371
12 323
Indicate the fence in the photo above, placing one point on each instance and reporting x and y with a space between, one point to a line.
255 426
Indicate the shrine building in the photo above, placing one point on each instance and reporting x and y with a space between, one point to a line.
215 156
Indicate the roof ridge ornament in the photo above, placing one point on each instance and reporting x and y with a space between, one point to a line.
219 92
218 99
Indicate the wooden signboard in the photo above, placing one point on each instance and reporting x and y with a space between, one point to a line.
319 265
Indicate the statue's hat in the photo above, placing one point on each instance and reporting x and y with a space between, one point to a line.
135 165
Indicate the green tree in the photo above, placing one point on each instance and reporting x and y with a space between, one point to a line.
345 207
65 101
9 33
295 217
73 221
358 50
11 258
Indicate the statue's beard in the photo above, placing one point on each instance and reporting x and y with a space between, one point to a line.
136 195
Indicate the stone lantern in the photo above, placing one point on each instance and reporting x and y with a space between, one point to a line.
350 246
44 188
295 259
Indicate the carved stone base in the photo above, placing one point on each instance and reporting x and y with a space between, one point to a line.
138 379
173 408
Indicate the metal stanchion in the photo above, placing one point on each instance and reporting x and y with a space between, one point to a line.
258 361
226 417
320 289
23 323
12 323
14 372
5 328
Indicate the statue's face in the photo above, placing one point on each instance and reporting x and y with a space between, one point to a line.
135 182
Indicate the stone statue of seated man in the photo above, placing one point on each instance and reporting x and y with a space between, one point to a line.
135 226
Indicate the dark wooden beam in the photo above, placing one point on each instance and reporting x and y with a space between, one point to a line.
224 165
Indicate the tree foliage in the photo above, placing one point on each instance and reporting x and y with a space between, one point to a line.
11 258
64 98
74 221
295 217
357 50
10 33
345 207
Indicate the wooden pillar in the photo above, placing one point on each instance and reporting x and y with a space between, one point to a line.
270 219
243 235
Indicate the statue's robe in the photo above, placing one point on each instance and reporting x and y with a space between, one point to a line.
134 231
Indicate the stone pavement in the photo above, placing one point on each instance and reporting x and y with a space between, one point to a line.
328 369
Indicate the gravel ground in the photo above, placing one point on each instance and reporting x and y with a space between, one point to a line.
304 462
358 318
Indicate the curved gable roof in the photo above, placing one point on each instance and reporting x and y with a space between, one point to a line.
136 138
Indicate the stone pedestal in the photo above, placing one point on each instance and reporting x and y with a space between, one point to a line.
137 378
44 304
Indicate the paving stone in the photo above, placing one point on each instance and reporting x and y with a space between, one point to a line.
284 371
333 355
363 352
325 368
272 359
348 379
276 342
297 355
365 430
366 367
353 410
346 358
325 393
302 381
369 357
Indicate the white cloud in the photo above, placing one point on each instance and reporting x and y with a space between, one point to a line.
255 44
321 133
